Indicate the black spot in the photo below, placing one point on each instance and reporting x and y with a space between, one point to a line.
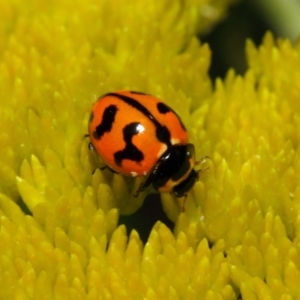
130 151
163 135
137 105
108 119
163 108
162 132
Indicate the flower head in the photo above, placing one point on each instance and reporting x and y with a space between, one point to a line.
59 228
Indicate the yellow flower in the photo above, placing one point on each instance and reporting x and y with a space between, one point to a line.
59 230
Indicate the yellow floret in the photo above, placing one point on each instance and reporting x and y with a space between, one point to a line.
59 231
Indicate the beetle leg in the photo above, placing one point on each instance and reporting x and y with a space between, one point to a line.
183 203
139 189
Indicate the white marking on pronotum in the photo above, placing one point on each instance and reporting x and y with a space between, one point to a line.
161 151
174 141
133 174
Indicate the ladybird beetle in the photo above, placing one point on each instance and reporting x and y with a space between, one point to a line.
136 134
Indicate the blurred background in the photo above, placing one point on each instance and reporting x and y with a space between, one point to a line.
246 19
250 19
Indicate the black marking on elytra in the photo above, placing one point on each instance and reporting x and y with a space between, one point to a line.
163 135
164 109
107 121
162 132
130 151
